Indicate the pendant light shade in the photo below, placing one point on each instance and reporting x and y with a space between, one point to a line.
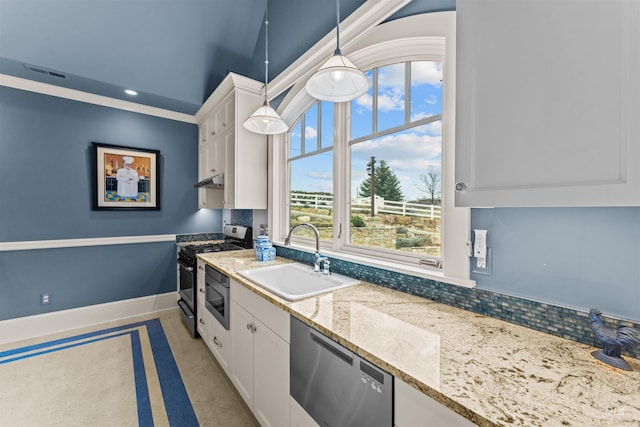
337 80
265 120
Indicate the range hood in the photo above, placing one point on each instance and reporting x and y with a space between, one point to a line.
215 181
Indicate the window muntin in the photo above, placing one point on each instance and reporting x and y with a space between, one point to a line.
403 158
429 37
426 89
362 112
398 125
391 97
311 171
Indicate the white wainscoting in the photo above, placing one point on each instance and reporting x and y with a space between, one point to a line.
22 328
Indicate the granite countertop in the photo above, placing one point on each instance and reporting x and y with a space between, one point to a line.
489 371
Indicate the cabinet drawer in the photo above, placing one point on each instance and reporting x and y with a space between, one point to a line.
273 317
219 342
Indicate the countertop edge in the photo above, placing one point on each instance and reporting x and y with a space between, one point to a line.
393 370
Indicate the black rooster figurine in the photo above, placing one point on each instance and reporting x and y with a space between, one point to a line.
612 340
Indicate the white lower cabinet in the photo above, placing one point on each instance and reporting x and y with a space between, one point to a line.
260 356
413 408
214 335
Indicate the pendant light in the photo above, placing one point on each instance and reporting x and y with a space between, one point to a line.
337 80
265 120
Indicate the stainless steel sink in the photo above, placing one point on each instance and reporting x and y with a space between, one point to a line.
296 281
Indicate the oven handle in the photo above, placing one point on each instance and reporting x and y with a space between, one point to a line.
185 266
185 309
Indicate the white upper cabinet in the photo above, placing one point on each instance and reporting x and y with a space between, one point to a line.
548 103
226 147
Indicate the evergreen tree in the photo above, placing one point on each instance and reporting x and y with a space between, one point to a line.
387 184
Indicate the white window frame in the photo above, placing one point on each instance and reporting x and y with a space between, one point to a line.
428 36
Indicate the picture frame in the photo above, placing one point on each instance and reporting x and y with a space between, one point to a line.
125 178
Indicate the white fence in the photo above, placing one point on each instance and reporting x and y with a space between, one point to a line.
325 201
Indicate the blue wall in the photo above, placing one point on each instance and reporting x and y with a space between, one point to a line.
573 257
45 193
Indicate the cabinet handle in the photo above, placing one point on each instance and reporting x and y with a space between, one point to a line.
213 170
201 321
224 125
200 267
216 342
213 132
461 186
251 327
202 290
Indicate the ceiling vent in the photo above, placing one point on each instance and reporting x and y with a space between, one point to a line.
46 71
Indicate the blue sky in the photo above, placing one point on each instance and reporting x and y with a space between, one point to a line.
409 153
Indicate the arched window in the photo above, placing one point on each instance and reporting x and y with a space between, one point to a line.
372 174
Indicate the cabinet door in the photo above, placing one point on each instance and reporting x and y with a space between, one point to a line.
224 114
220 344
203 172
242 352
271 377
547 105
217 156
413 408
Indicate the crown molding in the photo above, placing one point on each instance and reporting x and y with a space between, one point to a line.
89 98
230 82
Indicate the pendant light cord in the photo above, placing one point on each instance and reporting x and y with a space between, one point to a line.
266 49
338 27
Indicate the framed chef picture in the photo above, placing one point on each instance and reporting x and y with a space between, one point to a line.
125 178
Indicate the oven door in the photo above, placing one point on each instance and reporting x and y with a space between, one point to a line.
217 299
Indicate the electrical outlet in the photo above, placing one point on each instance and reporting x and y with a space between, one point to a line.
487 269
45 299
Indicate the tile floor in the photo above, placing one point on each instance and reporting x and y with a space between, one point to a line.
98 390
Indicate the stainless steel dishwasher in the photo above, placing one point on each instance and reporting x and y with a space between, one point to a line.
334 385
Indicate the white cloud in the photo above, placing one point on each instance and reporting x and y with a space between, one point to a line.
310 132
400 147
366 102
409 155
431 99
320 175
391 76
391 99
426 72
321 186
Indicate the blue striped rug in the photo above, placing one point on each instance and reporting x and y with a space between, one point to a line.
179 411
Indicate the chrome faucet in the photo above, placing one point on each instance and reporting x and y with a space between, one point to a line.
319 258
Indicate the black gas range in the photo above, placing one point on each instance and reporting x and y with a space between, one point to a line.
236 237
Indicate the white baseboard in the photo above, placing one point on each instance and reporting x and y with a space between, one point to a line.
43 324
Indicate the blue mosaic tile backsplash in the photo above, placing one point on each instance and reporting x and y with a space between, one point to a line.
555 320
242 217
